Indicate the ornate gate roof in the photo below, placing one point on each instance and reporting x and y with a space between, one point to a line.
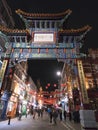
43 15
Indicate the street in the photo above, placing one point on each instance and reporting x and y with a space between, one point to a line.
37 124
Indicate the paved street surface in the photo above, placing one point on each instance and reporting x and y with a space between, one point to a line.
38 124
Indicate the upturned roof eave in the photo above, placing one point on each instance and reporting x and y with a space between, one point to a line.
13 31
75 31
66 31
43 15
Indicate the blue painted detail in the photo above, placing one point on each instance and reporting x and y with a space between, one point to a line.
42 45
45 53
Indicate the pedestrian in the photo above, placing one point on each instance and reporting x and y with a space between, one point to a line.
20 115
20 111
70 116
64 113
27 112
60 111
38 112
41 112
9 117
34 113
50 114
77 116
60 114
55 115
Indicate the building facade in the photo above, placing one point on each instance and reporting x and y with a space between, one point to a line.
90 65
6 18
22 91
71 84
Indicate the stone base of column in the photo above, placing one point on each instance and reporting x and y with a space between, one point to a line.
87 120
89 128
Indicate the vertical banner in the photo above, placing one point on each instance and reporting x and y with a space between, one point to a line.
2 71
82 82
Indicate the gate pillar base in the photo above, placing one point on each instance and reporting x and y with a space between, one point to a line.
87 120
89 128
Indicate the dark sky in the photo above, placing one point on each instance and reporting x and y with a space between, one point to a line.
83 12
45 70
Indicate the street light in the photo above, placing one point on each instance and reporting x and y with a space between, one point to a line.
58 73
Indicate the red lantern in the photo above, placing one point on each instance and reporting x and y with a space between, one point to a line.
62 85
46 87
55 85
10 76
48 84
10 71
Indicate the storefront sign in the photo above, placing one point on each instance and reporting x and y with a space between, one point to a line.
82 82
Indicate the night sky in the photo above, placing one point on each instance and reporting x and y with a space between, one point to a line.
84 12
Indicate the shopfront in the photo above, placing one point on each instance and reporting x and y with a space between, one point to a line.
12 105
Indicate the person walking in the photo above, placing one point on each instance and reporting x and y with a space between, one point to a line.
60 111
41 112
64 113
9 117
34 113
20 115
60 114
50 114
70 116
27 112
20 111
55 115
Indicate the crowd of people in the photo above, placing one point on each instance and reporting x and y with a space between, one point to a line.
37 112
53 113
62 114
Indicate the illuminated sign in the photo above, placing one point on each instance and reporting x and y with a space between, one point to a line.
43 37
